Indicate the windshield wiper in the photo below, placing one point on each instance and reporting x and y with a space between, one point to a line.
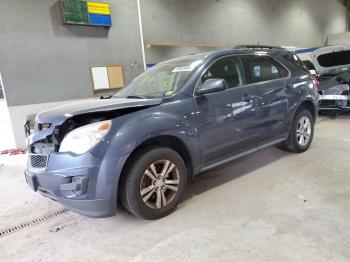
105 97
136 96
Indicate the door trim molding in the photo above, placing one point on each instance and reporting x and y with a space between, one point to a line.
242 154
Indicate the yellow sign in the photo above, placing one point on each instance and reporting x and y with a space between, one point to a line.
99 8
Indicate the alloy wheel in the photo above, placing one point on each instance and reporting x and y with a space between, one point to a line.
159 184
304 131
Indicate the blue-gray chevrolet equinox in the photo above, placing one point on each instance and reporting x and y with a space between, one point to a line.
184 116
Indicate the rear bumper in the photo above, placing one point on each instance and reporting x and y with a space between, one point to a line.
77 183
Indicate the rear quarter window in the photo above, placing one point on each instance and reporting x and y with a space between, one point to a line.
294 59
309 65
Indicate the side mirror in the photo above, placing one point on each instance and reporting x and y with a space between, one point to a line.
212 86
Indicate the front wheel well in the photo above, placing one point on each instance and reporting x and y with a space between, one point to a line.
160 141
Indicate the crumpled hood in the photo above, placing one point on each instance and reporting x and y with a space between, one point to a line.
59 114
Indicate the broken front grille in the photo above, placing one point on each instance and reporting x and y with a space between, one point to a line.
38 161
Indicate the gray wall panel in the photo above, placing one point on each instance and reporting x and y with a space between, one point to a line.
301 23
43 60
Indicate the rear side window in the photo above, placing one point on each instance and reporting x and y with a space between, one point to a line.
296 61
265 68
334 59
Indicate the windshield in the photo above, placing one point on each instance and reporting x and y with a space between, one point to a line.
162 80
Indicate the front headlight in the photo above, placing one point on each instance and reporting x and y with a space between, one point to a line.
80 140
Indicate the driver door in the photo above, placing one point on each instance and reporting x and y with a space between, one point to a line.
225 119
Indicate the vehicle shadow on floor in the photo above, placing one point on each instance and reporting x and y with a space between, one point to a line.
224 174
232 170
243 166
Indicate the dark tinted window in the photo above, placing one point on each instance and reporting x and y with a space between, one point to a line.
296 61
229 68
264 68
334 59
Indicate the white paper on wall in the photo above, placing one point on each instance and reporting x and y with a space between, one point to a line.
100 78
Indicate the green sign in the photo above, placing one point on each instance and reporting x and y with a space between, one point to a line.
75 12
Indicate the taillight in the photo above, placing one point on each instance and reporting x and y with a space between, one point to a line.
315 83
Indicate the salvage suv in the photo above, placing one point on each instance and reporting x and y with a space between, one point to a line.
180 118
332 64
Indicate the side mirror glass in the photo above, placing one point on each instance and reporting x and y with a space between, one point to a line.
212 86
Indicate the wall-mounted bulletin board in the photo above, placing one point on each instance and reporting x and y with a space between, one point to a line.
106 78
81 12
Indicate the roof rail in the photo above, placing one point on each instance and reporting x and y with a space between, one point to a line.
259 47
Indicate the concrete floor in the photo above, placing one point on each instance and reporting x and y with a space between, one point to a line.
269 206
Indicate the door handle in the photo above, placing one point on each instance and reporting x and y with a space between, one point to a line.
247 98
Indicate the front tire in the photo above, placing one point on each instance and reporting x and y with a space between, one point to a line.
154 183
301 133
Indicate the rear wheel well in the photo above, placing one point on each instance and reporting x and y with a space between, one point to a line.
308 105
160 141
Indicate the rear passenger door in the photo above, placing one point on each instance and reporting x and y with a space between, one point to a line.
269 79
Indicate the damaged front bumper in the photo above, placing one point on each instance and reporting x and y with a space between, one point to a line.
73 181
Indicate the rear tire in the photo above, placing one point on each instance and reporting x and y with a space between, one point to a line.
301 133
154 182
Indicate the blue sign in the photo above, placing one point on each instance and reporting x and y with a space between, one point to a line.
305 50
100 20
150 66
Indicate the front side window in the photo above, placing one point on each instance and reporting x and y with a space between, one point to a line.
229 68
265 68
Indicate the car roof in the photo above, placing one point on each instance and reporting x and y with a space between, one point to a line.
239 50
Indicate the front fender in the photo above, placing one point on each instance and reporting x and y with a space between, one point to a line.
129 131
